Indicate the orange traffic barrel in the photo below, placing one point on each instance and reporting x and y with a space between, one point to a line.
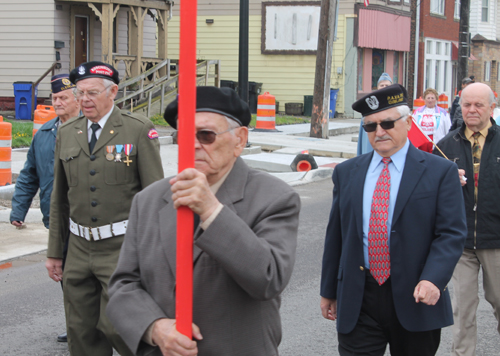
418 103
443 101
43 113
266 112
5 152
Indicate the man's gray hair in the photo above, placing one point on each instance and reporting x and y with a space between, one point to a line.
231 124
108 84
491 98
403 110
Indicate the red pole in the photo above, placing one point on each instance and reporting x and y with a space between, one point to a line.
187 108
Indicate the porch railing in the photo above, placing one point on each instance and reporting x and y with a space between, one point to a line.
165 87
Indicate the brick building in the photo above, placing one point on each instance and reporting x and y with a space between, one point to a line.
438 28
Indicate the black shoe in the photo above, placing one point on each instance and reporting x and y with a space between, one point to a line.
62 338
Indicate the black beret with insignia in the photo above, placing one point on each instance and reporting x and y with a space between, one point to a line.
60 82
94 69
223 101
382 99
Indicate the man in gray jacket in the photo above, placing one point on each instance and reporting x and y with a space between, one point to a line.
244 247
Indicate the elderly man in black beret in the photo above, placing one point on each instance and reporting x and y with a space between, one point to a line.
244 246
396 231
102 159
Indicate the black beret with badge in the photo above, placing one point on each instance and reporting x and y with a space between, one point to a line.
94 69
223 101
60 82
382 99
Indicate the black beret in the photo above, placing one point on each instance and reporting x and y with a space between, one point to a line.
60 82
94 69
222 101
382 99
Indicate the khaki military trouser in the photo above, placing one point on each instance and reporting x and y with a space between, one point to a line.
89 266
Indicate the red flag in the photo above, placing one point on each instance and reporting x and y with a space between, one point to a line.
416 136
367 2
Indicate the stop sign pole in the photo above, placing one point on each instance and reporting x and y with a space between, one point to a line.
186 134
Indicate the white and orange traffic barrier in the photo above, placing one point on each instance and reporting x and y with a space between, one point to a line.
443 101
5 152
43 114
266 112
417 104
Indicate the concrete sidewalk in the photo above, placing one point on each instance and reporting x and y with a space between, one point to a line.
269 151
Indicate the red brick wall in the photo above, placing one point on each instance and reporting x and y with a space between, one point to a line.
434 26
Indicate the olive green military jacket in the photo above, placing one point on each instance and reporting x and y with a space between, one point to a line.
95 190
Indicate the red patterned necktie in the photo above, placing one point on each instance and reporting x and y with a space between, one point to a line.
378 243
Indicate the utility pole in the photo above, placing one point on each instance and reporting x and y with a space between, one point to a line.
463 40
321 97
411 56
243 52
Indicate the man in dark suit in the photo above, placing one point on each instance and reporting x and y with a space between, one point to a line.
396 231
244 247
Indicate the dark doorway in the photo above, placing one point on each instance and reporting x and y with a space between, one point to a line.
81 40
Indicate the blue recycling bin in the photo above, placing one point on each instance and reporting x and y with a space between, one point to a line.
333 102
22 95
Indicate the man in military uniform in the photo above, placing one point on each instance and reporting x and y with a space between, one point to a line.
102 159
38 171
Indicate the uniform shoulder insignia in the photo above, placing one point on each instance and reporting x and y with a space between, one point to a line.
152 134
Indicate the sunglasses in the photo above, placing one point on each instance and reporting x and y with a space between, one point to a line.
206 137
386 125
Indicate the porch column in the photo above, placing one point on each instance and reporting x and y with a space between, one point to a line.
107 33
136 37
162 38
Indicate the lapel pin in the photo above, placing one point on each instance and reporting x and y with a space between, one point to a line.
79 132
111 132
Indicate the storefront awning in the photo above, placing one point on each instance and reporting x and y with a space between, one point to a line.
377 29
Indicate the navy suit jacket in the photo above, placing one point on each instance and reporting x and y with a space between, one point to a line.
427 238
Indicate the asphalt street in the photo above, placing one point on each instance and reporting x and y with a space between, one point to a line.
31 307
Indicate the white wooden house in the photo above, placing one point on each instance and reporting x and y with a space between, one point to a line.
34 34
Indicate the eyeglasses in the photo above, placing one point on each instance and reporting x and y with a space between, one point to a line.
386 125
206 137
91 94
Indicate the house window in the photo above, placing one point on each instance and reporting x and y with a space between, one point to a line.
429 47
437 76
361 56
446 49
438 47
487 71
395 68
445 72
428 72
498 71
378 66
484 11
437 7
456 15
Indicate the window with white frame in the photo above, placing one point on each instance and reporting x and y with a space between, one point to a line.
437 7
498 71
487 71
438 67
484 10
407 2
456 15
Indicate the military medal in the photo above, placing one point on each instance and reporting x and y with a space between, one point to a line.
118 156
128 149
110 150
